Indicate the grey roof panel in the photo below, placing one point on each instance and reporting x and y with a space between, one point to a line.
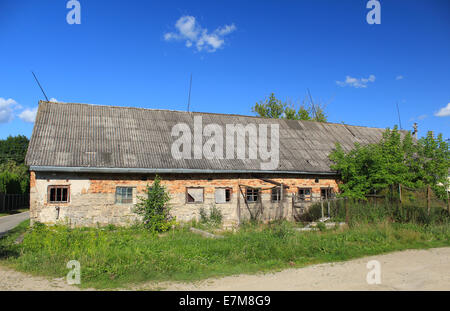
81 135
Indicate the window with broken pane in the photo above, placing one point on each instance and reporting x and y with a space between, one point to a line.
194 195
222 195
304 194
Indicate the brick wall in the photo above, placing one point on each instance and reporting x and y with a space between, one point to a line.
92 196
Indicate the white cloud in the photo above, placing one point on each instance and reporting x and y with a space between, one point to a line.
400 77
189 30
7 107
355 82
53 100
28 115
443 112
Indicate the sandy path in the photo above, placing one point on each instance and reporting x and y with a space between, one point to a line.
14 280
407 270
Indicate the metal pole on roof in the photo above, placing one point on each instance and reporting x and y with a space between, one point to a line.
398 112
189 99
39 85
312 104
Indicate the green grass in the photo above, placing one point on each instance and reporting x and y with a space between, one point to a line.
17 211
116 257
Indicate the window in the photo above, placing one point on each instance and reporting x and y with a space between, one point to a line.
194 195
276 194
326 193
252 194
304 194
124 195
58 194
223 195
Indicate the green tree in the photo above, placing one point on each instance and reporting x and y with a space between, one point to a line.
20 173
394 160
10 183
154 208
13 148
276 109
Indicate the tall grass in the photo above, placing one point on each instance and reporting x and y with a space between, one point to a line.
360 211
112 257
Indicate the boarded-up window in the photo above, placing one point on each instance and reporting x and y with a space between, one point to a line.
58 194
304 194
124 195
223 195
194 195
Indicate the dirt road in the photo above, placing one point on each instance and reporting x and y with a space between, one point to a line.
407 270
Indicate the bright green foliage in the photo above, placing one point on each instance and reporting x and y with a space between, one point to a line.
276 109
14 176
394 160
115 257
13 148
154 209
214 218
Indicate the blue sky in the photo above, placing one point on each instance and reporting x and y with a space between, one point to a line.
141 54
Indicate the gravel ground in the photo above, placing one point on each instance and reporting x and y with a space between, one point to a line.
406 270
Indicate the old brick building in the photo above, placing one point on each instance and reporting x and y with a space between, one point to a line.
90 164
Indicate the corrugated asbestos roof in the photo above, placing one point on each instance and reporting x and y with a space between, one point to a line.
90 136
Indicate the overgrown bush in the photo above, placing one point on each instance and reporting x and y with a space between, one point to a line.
154 208
313 213
396 159
214 218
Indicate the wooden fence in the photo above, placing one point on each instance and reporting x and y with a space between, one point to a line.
9 202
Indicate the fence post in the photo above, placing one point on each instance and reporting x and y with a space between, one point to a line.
428 199
346 210
321 205
448 202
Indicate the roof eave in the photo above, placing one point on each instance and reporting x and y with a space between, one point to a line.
168 170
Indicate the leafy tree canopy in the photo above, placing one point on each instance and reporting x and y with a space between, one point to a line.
394 160
14 176
276 109
13 148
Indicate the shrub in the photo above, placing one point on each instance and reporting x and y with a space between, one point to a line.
155 209
214 218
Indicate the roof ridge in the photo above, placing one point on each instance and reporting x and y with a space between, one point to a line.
212 113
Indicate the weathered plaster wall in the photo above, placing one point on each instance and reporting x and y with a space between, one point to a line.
92 197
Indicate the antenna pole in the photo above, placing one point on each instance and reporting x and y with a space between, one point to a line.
40 85
312 104
398 112
189 99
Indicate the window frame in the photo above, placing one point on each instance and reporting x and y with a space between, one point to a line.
278 194
304 199
203 195
258 190
58 187
121 201
331 192
226 188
